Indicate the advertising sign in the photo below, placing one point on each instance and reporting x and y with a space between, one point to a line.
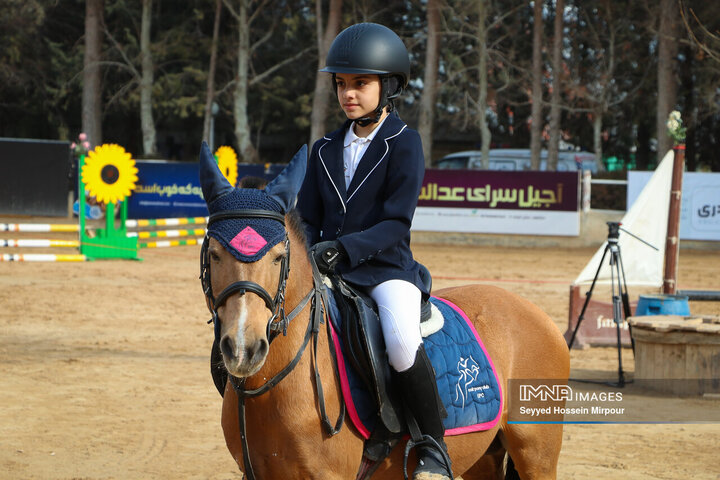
165 190
528 202
172 189
700 206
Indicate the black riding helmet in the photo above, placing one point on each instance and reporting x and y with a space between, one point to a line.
374 49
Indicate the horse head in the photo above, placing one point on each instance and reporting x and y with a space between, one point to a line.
245 260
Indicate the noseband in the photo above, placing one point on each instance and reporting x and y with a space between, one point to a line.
278 321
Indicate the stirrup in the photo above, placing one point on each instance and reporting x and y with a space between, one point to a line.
432 458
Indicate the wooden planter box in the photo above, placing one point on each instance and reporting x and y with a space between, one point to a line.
676 354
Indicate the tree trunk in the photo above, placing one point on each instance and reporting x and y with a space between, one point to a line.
242 124
666 85
429 94
690 109
536 114
485 134
210 92
92 81
642 156
597 136
554 142
322 97
147 124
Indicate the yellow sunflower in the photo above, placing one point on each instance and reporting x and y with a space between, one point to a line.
109 173
227 163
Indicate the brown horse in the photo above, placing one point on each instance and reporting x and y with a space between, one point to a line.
285 439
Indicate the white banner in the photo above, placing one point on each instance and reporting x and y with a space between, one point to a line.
470 220
700 207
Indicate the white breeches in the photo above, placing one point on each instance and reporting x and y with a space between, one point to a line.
398 304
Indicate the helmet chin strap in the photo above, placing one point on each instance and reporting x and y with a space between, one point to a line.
387 84
374 118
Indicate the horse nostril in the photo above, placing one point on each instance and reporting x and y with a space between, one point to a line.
227 346
257 352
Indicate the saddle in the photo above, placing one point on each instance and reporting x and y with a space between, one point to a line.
355 316
364 346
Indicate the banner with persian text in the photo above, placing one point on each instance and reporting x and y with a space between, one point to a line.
167 189
482 201
699 207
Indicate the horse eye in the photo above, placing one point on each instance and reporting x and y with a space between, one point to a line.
279 258
214 257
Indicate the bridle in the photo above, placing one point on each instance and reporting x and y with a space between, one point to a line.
277 323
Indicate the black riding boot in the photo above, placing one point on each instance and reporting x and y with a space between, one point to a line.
419 390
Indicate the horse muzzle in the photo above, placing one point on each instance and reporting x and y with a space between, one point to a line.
243 361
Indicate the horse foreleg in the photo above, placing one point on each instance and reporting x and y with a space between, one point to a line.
490 465
230 425
534 449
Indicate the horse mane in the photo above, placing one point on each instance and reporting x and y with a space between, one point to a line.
294 221
296 226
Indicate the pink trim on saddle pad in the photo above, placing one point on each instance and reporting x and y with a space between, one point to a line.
480 426
248 242
345 386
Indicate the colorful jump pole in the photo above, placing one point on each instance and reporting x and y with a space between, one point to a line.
198 232
41 257
38 243
39 227
151 222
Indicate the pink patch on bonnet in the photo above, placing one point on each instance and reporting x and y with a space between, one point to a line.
248 242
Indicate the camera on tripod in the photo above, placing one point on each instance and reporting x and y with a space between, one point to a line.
613 231
620 301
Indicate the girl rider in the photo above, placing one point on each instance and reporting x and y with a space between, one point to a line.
358 201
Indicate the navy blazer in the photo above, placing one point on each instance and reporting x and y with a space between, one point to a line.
372 217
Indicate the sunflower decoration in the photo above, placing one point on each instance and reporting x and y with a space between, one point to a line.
227 163
109 173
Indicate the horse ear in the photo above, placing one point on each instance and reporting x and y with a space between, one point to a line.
285 187
212 181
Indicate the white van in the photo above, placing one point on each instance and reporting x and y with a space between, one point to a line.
517 159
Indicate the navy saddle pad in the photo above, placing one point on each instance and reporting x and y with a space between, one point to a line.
466 377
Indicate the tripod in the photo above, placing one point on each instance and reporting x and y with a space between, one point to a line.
619 293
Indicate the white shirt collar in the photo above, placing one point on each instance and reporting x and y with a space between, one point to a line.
350 136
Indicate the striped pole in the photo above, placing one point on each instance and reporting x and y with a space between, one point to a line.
171 243
41 257
168 233
39 227
38 243
165 222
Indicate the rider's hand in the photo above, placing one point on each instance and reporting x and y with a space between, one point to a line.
327 255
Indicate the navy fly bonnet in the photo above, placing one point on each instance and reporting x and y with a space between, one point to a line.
249 236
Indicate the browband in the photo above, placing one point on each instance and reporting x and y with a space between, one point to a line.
246 213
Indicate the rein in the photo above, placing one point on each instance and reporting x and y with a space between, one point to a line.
277 306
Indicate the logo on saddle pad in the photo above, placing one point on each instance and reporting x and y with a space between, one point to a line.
248 242
469 371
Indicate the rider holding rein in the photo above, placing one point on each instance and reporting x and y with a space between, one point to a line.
358 200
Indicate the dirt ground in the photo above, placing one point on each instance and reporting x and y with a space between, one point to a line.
104 368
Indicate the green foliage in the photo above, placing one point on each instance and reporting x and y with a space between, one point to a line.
609 69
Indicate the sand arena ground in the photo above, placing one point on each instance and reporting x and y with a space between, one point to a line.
104 368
